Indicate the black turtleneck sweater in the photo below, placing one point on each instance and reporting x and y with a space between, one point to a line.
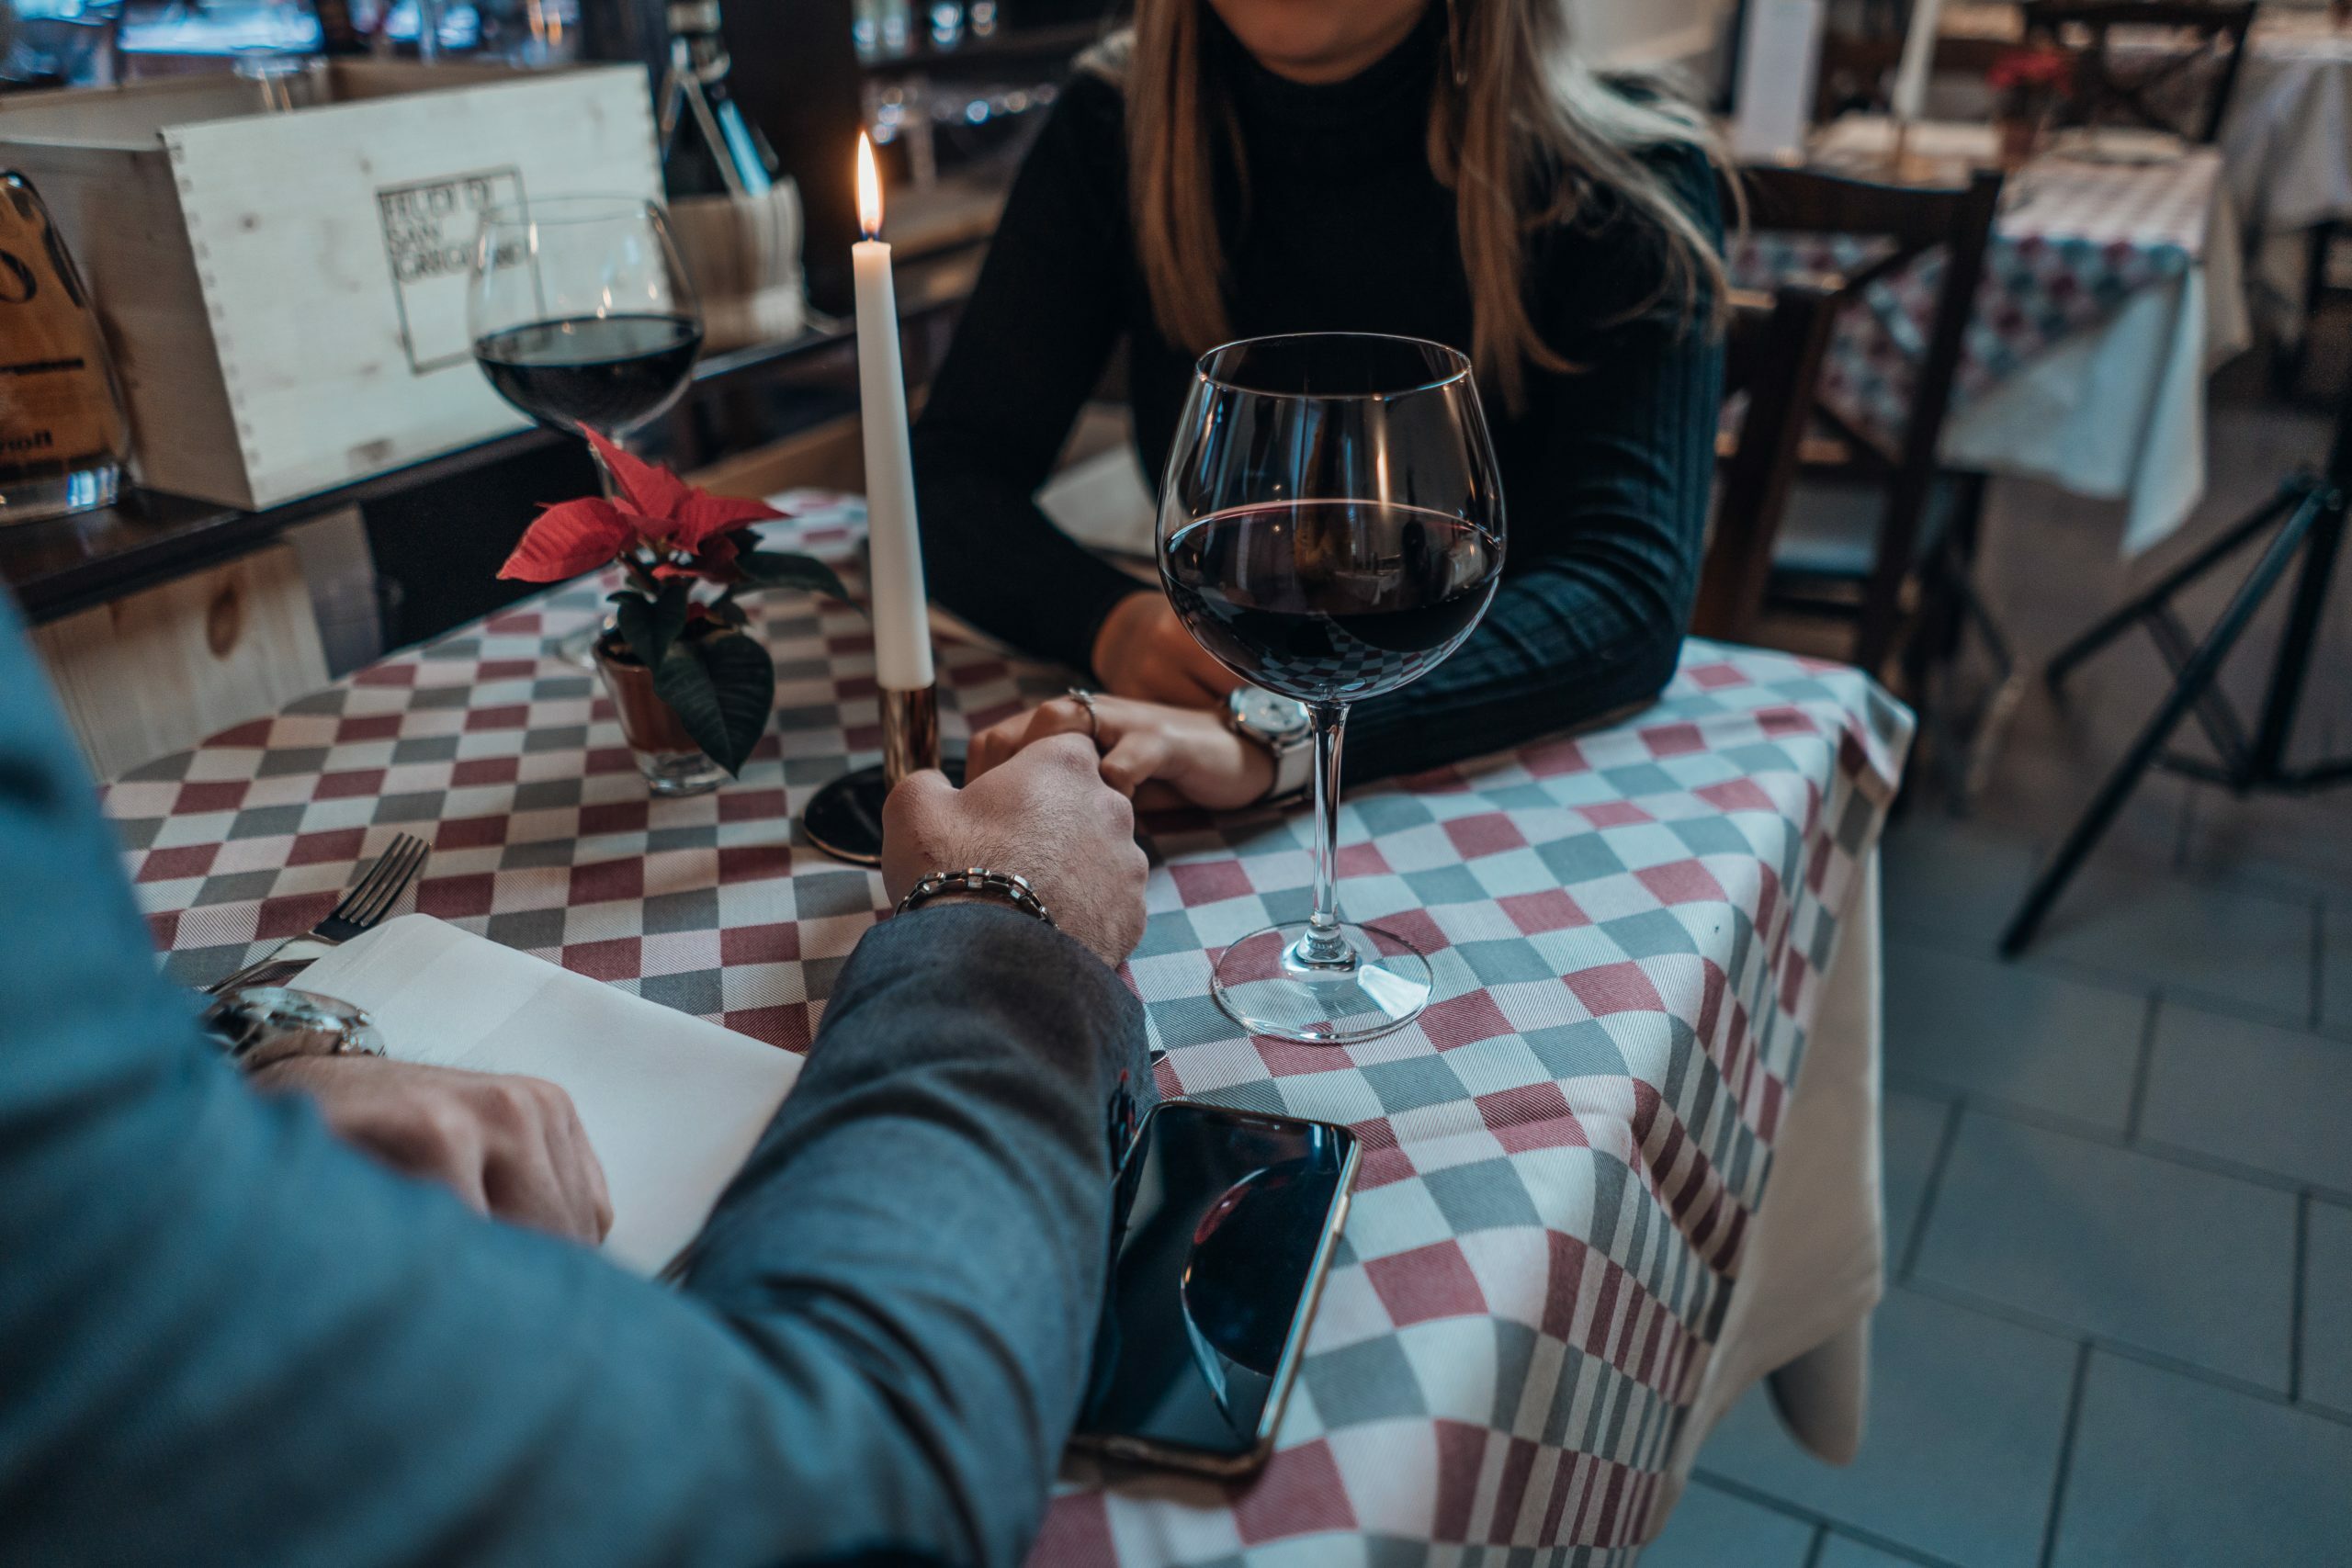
1606 470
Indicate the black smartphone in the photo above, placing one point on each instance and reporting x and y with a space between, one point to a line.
1226 1223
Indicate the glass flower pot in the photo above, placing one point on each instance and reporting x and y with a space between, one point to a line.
673 764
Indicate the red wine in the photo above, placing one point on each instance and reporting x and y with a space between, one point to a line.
1331 601
603 372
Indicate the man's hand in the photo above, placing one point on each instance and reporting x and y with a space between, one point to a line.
1045 815
1143 651
512 1147
1192 751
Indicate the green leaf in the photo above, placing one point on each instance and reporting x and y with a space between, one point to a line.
650 629
777 569
723 690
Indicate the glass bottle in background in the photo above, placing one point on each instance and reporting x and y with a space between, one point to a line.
865 29
339 32
946 23
63 437
428 32
895 19
546 34
282 82
710 147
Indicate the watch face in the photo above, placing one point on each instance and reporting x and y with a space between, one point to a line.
1277 717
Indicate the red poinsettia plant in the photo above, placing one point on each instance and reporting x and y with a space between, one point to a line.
670 538
2032 72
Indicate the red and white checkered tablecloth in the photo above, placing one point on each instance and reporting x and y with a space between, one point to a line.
2074 241
1630 931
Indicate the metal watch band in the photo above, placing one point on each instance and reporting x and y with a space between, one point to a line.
1006 888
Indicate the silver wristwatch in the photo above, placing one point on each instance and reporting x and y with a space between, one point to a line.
259 1026
1280 724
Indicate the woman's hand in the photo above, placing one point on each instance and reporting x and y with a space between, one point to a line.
1191 750
1143 651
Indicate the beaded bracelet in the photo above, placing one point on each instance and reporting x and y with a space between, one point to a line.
1004 886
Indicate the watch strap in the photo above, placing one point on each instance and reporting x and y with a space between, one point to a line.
1293 754
1294 769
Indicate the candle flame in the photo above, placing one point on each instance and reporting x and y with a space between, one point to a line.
869 190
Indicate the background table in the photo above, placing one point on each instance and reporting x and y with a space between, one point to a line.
2286 142
1531 1320
2286 145
2110 292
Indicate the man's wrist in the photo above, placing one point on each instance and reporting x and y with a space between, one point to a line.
1008 889
961 901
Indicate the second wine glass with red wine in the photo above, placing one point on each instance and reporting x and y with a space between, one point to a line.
1330 529
582 316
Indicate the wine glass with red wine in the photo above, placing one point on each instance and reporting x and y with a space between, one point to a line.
1330 529
582 316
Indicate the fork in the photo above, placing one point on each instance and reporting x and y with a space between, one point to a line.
362 908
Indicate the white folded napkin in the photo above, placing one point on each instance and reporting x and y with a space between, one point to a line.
672 1105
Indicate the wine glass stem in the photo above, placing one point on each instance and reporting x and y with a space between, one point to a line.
604 471
1325 946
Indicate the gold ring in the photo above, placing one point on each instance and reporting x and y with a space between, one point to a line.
1085 699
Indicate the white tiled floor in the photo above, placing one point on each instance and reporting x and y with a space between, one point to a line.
2251 1094
2173 1470
2326 1368
2114 1245
1967 1420
2118 1171
1960 1024
1712 1526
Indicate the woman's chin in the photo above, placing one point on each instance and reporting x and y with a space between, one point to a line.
1317 40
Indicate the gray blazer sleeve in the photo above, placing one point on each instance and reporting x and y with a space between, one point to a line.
225 1337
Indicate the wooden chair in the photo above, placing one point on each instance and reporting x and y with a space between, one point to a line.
1911 221
2106 95
1772 354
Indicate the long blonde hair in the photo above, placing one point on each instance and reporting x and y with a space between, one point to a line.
1521 131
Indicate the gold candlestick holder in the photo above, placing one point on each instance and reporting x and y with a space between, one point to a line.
844 820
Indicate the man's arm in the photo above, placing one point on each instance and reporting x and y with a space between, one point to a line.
929 1218
226 1337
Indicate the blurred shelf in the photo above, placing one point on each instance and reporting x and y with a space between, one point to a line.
65 564
1054 41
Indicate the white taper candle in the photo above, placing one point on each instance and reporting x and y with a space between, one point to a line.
1918 57
902 605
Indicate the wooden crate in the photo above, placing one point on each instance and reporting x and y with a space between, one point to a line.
286 293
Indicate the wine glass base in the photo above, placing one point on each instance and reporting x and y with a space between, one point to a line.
1263 983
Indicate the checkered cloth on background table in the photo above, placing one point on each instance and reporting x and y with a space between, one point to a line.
2074 242
1629 930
